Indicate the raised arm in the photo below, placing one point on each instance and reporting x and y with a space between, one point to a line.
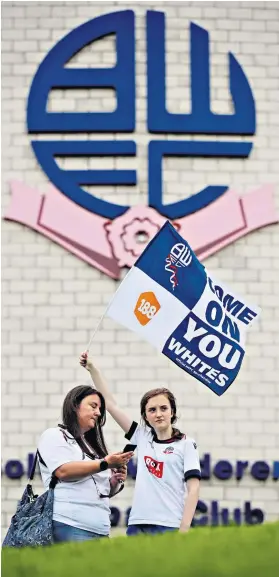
115 411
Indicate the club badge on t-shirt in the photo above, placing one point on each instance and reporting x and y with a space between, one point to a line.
168 450
154 467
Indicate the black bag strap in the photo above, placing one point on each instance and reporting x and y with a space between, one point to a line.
37 455
53 482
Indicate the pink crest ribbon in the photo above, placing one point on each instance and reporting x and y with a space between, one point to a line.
110 245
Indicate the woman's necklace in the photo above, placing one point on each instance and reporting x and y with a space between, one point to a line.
90 449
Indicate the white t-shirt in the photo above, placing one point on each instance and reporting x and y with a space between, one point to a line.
162 469
76 503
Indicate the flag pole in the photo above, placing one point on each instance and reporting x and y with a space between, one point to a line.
97 327
104 314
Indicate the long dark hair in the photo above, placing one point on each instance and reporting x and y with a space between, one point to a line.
172 400
94 437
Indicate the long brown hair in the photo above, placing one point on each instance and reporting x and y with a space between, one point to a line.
172 400
94 436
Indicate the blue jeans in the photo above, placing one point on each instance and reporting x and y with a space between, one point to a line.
148 529
63 532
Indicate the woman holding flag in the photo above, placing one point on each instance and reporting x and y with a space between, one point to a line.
168 468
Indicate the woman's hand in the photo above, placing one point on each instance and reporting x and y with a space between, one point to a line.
120 475
85 362
118 460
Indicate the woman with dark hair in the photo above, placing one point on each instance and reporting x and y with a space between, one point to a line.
75 453
168 468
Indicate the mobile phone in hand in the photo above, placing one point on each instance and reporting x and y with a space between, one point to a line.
128 448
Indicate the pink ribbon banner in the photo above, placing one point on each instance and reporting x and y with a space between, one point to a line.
111 245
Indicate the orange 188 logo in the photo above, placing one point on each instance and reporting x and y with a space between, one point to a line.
146 308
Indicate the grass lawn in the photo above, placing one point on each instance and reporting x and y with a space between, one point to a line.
203 552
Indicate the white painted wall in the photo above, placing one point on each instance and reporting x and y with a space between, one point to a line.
52 300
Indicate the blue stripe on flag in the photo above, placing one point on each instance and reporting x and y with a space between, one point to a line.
169 260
